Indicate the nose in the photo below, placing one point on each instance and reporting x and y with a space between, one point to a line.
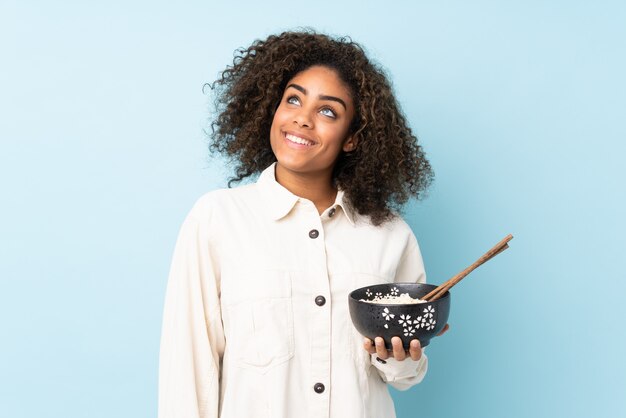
303 119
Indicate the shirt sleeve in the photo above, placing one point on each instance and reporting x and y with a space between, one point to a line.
404 374
192 338
401 374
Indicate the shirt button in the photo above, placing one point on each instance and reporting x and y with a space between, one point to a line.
318 388
320 300
331 212
314 233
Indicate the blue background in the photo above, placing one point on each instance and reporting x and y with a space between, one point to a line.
520 106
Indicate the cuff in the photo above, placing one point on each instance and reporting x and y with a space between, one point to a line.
401 374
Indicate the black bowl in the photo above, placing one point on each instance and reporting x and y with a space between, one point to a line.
407 321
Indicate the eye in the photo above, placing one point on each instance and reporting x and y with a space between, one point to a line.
293 100
328 111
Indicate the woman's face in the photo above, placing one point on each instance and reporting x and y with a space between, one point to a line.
310 127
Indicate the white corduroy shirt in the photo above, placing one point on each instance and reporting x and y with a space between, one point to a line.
256 320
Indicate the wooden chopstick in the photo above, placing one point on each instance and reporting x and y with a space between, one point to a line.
443 288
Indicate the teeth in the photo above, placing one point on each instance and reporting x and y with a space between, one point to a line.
298 140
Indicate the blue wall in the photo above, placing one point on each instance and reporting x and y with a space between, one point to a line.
520 106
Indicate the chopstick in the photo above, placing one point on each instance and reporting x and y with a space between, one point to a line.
443 288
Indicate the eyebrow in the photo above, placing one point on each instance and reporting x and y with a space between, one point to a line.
321 96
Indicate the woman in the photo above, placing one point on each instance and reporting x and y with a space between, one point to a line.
256 320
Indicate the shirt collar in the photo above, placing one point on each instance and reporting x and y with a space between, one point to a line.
281 201
342 202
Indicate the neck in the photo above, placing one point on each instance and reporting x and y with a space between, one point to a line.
316 187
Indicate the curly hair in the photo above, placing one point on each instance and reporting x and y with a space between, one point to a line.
388 165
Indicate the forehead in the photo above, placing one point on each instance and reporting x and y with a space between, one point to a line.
322 80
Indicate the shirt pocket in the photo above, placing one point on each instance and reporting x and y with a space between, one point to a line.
258 319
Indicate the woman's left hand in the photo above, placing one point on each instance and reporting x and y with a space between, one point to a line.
398 351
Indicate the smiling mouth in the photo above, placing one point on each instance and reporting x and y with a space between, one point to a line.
298 140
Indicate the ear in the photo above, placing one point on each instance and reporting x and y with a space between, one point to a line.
349 144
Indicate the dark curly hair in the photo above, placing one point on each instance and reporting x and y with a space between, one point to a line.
388 165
